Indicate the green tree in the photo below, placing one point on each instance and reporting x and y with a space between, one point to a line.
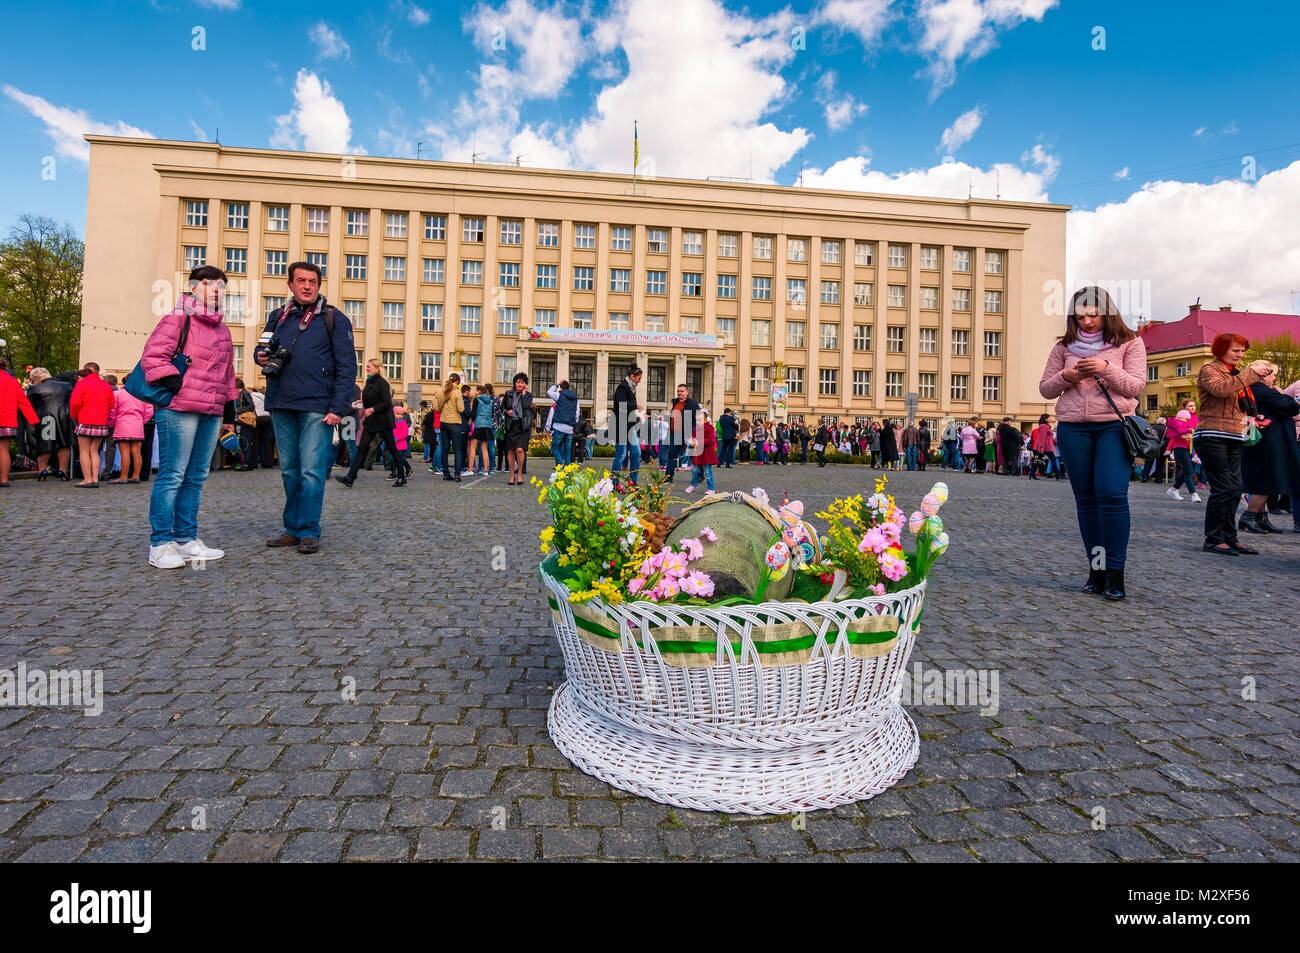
1283 350
40 294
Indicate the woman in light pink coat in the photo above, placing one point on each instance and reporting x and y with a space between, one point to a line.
127 418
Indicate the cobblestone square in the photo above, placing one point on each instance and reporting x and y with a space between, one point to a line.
386 698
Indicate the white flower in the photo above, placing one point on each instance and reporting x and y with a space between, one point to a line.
760 494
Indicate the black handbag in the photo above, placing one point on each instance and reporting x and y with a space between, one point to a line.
1140 438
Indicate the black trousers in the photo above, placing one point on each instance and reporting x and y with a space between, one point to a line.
1221 458
400 466
453 446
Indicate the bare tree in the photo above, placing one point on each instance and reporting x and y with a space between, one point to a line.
40 293
1283 350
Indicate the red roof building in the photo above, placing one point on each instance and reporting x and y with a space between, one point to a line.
1200 327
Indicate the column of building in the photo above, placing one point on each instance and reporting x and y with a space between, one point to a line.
977 332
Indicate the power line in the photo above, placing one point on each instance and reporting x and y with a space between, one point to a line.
1183 168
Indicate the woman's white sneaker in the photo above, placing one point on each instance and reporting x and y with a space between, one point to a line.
1173 493
1195 497
195 549
166 556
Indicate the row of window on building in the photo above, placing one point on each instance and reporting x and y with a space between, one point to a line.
1181 369
357 224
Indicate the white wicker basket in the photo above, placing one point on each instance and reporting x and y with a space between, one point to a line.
738 727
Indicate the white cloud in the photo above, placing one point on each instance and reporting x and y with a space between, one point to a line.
329 43
220 4
952 30
866 19
840 109
1121 174
199 132
1048 164
67 126
961 131
418 16
953 180
1199 132
318 121
1230 242
547 45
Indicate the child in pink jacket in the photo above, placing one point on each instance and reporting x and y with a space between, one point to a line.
127 418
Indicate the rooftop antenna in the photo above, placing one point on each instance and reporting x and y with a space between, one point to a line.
800 168
970 188
522 155
999 185
418 147
218 140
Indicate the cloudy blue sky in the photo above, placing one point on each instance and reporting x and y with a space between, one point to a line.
1170 128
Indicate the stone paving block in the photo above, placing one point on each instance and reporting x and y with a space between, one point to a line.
241 847
314 847
379 847
506 845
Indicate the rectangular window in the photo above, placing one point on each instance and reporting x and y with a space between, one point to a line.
395 225
431 318
828 381
318 221
796 291
277 263
392 362
354 267
656 383
727 329
508 321
584 236
760 333
762 288
1153 370
238 352
894 339
435 271
546 276
958 387
961 299
897 256
471 272
726 286
548 234
961 259
196 256
1182 369
237 261
993 302
321 260
727 245
272 303
394 268
509 274
582 320
1153 402
691 283
620 280
690 324
277 218
196 214
992 343
794 379
993 262
862 337
830 252
656 241
394 318
619 321
794 333
584 278
762 248
862 383
929 259
471 319
796 249
542 373
544 317
361 364
656 282
759 383
237 215
729 378
929 299
435 228
927 386
356 313
992 387
358 224
234 307
430 366
897 296
830 292
864 253
692 243
512 231
471 230
506 367
929 340
893 383
960 343
654 323
862 293
620 238
830 337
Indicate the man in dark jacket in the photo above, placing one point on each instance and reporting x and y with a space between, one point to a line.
624 425
1012 440
728 426
911 440
681 426
378 421
307 395
804 437
922 444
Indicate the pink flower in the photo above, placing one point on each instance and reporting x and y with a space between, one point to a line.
878 589
668 587
636 584
709 534
698 584
893 532
892 568
693 548
876 540
673 563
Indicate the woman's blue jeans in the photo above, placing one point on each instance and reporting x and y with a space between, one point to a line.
1098 467
185 445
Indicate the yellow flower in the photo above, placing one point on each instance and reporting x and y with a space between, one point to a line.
547 534
545 549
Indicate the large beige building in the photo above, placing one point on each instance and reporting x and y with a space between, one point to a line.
856 300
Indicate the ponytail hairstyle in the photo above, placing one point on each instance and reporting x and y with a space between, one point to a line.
450 386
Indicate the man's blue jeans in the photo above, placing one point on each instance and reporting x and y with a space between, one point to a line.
633 453
562 448
306 449
186 442
1098 467
911 457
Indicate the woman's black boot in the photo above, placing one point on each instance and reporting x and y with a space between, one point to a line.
1249 523
1114 585
1096 582
1262 520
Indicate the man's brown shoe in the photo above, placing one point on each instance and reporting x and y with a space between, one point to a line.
284 539
309 545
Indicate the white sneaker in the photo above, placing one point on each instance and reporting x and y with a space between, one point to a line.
166 556
1195 497
1174 494
195 549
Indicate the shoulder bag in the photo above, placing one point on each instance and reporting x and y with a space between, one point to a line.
1140 438
156 394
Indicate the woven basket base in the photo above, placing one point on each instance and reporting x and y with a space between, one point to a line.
731 779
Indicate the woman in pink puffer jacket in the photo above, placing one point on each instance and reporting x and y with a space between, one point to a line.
189 426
